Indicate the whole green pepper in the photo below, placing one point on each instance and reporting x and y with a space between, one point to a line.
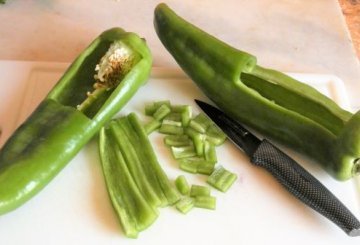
269 101
97 85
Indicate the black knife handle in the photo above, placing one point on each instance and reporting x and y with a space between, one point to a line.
305 186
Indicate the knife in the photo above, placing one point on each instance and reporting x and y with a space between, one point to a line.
287 172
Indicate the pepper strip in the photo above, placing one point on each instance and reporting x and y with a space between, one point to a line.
134 212
148 169
169 191
269 101
138 172
56 130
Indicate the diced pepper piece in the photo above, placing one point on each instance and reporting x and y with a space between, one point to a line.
198 140
200 123
186 115
196 165
199 190
152 126
185 118
198 160
191 132
209 152
171 129
171 122
174 116
183 151
185 111
182 185
150 109
221 179
214 135
207 202
188 166
146 149
185 204
205 168
161 112
177 140
226 181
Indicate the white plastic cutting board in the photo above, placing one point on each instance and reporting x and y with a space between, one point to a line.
75 209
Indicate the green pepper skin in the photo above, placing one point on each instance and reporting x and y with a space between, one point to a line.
268 101
56 130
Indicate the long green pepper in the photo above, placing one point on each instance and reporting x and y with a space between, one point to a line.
269 101
96 86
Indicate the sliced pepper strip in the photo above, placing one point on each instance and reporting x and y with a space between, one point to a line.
142 152
139 173
169 191
134 211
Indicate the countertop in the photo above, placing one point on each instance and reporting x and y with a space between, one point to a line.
288 35
351 11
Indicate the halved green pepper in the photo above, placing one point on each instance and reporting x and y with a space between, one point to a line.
269 101
97 85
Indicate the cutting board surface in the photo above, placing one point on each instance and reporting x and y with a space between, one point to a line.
75 208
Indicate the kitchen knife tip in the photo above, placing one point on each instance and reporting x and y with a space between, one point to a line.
200 103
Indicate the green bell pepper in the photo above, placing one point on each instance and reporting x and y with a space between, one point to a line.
113 67
269 101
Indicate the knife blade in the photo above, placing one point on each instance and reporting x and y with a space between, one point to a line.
286 171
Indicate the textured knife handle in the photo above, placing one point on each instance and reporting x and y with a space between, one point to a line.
305 187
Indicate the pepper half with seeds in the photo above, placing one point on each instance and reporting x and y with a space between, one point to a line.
94 88
269 101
